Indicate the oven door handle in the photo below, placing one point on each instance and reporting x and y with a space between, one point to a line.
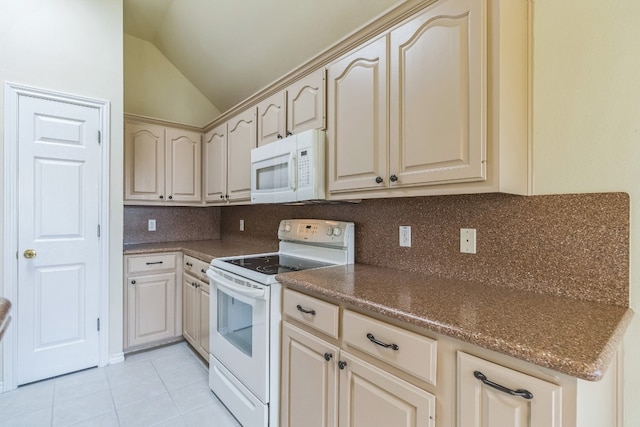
242 290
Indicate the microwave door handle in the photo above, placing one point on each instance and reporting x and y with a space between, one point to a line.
292 171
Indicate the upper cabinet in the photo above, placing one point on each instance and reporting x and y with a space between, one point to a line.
357 130
455 120
299 107
227 159
162 165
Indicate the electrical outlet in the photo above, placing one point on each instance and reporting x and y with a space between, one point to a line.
152 225
468 240
405 236
242 225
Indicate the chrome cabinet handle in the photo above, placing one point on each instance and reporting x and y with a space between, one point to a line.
311 312
382 344
525 394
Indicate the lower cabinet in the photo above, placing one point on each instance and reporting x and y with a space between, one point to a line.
493 395
152 301
370 396
195 320
324 385
368 372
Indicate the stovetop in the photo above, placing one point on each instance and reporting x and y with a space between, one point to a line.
272 264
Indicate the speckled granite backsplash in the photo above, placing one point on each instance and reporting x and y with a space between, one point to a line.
173 224
570 245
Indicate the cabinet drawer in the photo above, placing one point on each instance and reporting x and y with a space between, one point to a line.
413 353
195 267
147 263
319 315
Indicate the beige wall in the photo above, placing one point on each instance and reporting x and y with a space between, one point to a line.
587 123
153 87
73 46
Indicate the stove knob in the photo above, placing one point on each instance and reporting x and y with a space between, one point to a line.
287 228
337 231
329 231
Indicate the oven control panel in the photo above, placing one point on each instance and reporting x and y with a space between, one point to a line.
333 233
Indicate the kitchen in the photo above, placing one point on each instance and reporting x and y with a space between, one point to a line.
573 152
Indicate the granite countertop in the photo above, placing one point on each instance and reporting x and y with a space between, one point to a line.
205 250
574 337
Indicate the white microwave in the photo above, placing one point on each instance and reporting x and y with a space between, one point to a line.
289 170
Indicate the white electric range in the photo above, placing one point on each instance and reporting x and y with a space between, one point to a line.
244 365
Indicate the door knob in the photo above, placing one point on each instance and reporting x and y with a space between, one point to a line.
30 253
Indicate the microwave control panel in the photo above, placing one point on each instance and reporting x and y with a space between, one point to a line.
304 169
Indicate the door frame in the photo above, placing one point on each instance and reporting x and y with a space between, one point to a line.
12 94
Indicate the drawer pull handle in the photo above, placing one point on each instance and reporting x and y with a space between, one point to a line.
311 312
525 394
382 344
189 264
156 262
203 271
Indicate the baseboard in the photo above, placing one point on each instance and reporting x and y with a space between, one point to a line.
116 358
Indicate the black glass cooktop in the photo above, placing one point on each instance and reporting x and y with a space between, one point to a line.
276 264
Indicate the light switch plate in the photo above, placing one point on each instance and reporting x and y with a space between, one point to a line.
152 225
242 225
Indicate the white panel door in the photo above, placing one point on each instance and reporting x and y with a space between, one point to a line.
59 194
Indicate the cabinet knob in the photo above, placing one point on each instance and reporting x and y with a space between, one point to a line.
342 364
203 271
170 197
328 356
161 196
289 133
379 179
133 282
393 178
279 136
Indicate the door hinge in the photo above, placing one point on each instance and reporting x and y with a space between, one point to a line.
99 137
98 230
98 324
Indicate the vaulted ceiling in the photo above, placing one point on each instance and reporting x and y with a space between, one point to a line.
230 49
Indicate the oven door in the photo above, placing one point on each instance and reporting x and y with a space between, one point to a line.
240 329
274 172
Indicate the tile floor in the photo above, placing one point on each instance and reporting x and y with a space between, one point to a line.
167 386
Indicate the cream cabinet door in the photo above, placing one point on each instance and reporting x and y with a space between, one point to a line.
190 308
144 160
309 388
272 118
241 138
151 308
482 405
203 330
438 95
357 119
370 396
306 103
184 162
215 165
